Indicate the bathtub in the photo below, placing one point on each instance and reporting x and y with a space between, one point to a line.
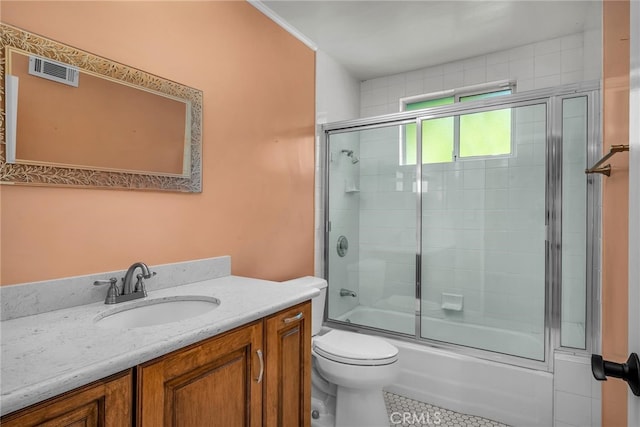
509 394
530 345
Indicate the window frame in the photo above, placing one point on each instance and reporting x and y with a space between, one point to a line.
456 94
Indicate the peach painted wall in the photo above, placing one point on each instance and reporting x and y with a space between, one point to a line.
258 147
615 202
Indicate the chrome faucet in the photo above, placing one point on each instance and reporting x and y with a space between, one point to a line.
347 293
129 291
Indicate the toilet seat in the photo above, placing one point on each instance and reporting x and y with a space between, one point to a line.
355 349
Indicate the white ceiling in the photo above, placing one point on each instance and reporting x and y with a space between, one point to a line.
377 38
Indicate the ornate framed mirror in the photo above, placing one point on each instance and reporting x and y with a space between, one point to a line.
73 118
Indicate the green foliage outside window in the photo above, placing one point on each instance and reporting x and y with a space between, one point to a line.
439 132
480 134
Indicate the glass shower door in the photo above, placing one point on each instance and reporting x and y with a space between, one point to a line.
575 199
371 243
483 232
468 225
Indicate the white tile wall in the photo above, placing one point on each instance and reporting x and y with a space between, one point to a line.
577 395
569 59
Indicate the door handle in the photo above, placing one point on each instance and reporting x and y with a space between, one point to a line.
629 371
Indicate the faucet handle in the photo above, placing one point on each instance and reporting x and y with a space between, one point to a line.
113 291
140 284
112 281
139 287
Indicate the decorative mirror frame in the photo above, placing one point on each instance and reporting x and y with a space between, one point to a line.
59 176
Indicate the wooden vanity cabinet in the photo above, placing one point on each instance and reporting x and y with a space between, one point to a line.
258 374
288 379
216 382
106 402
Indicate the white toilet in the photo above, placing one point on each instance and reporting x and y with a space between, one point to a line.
351 367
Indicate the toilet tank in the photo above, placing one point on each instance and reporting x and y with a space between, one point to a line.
317 303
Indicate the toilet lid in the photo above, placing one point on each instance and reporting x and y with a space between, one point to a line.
355 349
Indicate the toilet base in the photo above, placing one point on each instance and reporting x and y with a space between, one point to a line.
322 415
360 407
323 405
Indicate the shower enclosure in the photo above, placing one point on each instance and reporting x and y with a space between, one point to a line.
486 245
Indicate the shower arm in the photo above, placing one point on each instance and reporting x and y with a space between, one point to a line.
606 169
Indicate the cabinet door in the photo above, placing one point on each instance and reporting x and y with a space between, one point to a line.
288 378
217 382
107 402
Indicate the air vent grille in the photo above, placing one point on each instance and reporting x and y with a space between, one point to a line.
53 70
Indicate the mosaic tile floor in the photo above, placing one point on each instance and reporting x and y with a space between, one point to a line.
407 412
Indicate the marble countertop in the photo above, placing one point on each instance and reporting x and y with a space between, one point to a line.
46 354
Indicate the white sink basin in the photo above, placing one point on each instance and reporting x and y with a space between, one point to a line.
156 311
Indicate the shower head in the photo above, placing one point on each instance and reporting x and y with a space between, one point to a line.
354 158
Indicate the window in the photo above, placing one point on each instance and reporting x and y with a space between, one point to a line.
467 135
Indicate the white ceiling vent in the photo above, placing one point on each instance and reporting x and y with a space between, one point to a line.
54 70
